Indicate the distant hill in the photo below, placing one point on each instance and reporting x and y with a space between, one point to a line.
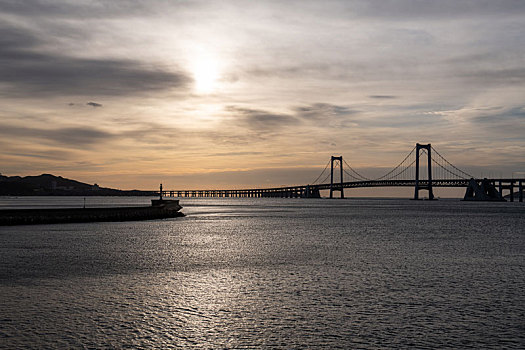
51 185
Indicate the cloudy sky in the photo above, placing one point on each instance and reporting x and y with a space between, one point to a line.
232 94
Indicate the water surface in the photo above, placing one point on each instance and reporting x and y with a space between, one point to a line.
270 273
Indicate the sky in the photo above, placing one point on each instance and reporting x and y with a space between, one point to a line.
236 94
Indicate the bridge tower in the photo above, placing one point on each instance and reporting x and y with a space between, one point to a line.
338 161
428 186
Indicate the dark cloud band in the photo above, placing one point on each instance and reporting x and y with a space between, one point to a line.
382 97
27 71
75 137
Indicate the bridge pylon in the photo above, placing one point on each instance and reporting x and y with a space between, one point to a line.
335 187
427 186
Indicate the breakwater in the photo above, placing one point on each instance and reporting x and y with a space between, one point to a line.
159 209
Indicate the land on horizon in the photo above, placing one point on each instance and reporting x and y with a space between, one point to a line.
51 185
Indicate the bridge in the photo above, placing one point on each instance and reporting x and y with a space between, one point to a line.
410 172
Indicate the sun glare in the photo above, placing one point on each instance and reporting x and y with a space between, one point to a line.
205 74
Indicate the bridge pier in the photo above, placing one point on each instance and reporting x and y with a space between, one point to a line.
307 192
418 186
484 191
310 192
340 187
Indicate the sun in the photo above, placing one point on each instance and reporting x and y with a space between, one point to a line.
205 74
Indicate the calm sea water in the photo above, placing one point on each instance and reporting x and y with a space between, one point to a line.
269 273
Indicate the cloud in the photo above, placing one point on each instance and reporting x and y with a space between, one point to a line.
248 125
382 97
492 77
231 154
513 116
25 69
308 67
259 119
54 155
391 10
323 111
152 134
75 137
409 9
94 104
79 9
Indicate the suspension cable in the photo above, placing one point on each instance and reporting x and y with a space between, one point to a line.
326 167
326 178
447 170
400 172
360 177
452 165
352 176
391 171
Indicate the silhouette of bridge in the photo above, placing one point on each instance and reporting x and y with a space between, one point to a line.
437 172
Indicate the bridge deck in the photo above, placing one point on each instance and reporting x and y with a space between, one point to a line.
301 190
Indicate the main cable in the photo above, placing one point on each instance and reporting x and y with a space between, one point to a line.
326 167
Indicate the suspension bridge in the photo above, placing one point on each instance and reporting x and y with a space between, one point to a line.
423 168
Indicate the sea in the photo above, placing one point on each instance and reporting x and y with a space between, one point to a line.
268 273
